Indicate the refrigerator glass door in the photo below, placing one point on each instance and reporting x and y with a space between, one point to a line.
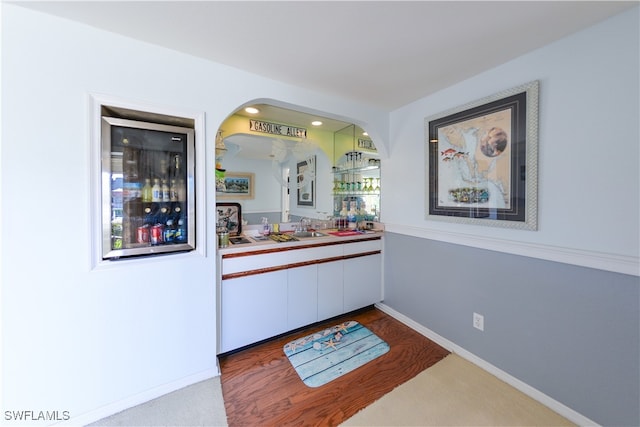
147 188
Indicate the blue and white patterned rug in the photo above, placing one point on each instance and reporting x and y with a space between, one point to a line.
325 355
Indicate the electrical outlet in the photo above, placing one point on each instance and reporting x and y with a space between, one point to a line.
478 321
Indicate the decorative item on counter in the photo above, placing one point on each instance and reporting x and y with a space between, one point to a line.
342 223
282 238
220 184
231 216
223 239
362 211
352 215
223 234
221 149
266 229
344 210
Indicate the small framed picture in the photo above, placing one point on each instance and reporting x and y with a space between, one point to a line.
305 177
230 214
237 185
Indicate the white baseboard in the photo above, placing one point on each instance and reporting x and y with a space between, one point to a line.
535 394
137 399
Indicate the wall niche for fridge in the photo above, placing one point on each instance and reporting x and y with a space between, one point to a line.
147 184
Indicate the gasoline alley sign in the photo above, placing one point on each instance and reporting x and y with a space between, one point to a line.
276 129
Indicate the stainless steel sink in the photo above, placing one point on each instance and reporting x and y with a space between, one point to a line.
309 234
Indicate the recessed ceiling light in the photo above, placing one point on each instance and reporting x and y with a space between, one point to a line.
252 110
365 134
316 123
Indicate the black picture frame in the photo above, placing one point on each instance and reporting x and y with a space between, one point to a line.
482 161
230 214
306 193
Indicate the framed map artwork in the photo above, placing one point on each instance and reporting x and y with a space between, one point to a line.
482 161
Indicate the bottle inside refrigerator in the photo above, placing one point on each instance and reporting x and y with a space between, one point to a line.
147 188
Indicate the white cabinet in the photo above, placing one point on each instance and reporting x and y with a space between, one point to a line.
330 290
267 293
362 281
302 296
253 308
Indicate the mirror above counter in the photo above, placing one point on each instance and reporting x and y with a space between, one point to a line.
280 166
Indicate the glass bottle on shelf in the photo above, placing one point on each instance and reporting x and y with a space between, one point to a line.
181 190
166 195
369 187
156 191
147 191
173 191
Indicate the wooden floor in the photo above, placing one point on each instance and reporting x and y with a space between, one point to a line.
261 388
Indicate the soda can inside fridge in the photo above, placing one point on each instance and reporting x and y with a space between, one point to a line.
147 188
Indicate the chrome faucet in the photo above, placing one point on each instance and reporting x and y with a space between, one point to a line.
304 224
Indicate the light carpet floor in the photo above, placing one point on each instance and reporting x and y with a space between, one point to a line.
200 404
455 392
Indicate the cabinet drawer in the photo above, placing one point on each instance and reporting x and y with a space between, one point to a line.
364 246
285 258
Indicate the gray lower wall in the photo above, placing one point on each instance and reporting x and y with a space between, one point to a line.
571 332
256 217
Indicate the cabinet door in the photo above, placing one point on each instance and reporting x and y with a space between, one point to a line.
253 308
302 303
330 290
362 281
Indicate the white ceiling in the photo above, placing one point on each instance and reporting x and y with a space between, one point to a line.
383 53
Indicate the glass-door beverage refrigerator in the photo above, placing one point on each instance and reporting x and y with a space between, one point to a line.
147 188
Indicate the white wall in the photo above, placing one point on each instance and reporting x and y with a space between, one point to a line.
92 341
588 186
566 333
267 190
322 192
